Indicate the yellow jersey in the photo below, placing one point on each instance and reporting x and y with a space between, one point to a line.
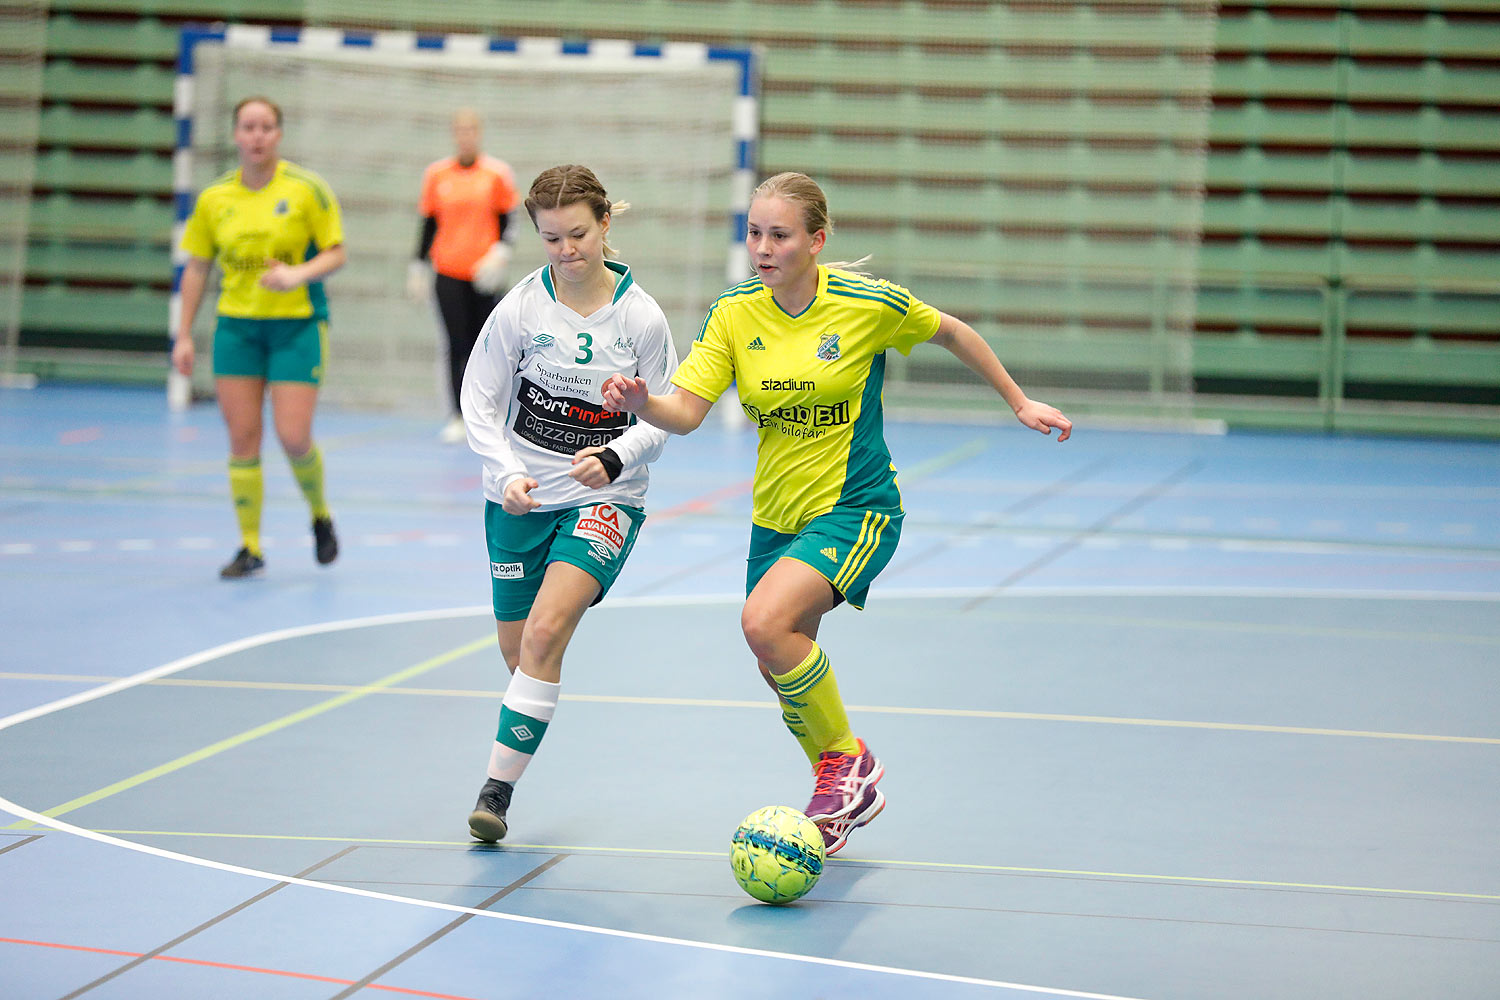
811 384
292 219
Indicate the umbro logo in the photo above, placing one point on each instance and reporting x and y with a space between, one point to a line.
521 733
831 553
755 345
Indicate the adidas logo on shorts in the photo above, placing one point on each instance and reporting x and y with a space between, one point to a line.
831 553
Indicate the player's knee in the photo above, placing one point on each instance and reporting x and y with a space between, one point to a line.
244 442
294 443
543 638
765 630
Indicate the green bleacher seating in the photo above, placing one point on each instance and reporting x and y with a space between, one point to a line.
283 11
135 314
123 263
145 84
111 172
1349 163
64 125
146 39
61 215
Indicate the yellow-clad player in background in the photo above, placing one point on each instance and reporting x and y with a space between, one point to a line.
806 345
276 232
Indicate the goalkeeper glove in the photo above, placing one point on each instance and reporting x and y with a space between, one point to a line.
418 281
489 273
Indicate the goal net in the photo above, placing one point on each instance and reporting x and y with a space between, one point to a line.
670 129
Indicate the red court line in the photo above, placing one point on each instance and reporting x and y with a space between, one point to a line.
235 968
80 435
70 947
707 501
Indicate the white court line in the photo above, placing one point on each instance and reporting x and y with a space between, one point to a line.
39 819
275 636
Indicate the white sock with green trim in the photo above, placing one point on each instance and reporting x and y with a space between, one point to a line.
525 713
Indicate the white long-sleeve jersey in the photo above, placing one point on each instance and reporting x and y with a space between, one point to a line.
531 389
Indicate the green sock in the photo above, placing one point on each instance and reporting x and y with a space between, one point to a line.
308 471
247 489
811 690
798 728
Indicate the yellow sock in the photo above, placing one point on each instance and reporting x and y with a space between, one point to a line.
798 728
247 489
308 471
811 691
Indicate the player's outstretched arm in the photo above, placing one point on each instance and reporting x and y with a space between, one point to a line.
679 411
964 343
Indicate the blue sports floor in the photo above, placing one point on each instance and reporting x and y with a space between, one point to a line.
1164 716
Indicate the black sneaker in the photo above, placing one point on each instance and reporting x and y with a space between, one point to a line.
325 543
487 821
244 563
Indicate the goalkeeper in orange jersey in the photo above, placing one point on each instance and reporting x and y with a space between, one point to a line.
276 231
465 204
806 345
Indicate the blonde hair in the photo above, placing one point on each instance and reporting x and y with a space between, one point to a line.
569 184
256 99
804 192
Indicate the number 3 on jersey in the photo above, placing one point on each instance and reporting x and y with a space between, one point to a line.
585 348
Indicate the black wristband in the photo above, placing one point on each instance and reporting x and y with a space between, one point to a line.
611 462
426 236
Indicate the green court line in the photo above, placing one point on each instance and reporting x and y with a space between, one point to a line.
385 687
353 694
868 862
964 452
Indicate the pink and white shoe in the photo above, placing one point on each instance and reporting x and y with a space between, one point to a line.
841 782
836 831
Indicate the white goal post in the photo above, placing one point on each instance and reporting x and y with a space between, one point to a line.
672 129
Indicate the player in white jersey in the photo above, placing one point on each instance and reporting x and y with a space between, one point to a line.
564 479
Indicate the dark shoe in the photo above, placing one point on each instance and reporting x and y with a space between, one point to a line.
245 563
326 543
487 821
841 783
836 831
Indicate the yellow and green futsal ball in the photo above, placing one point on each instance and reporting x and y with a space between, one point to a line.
777 854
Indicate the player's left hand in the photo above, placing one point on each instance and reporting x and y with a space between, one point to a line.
596 468
1041 417
280 277
588 470
624 395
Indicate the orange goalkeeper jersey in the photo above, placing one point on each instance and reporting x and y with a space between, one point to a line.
467 203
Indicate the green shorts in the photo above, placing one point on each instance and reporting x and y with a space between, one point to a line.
277 350
596 538
848 546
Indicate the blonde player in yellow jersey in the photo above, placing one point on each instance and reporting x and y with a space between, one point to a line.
806 345
276 232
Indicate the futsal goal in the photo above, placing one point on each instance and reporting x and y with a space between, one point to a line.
672 129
